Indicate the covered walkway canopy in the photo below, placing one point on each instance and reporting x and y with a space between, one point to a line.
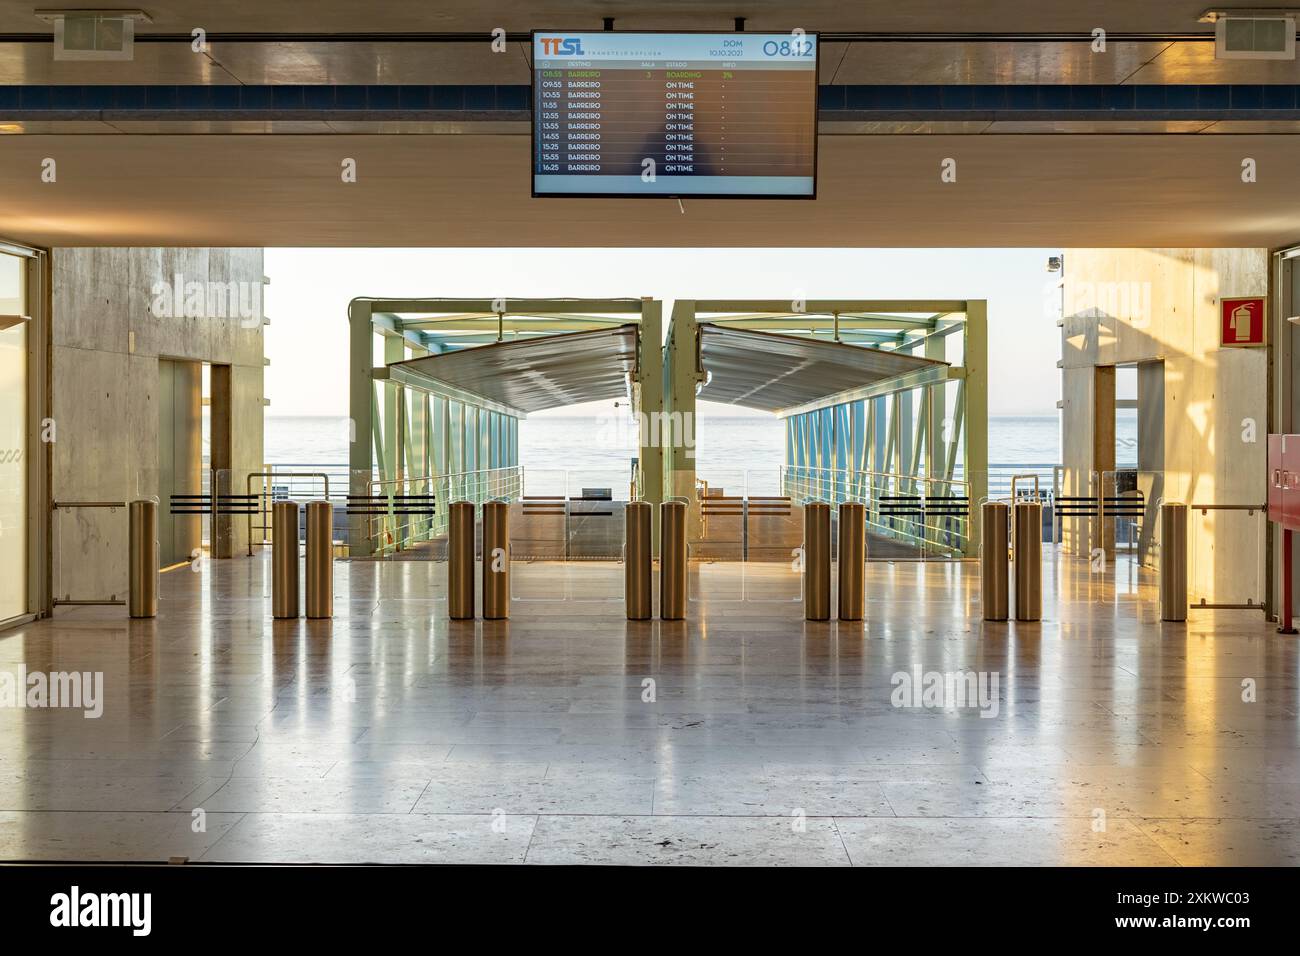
886 393
438 386
535 372
773 372
895 389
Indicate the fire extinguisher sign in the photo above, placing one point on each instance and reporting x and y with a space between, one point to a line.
1241 322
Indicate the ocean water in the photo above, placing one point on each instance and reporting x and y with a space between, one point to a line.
598 452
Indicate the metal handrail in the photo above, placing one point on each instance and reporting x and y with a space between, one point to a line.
262 497
1015 478
871 472
852 476
484 476
854 479
379 482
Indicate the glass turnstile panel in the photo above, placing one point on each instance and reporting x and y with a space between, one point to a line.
538 548
595 541
896 518
1225 556
566 539
715 548
773 538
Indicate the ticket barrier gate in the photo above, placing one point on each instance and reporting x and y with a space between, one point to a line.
1027 559
284 560
638 561
320 559
460 561
673 579
461 558
286 589
1173 562
852 561
496 561
994 560
817 561
143 558
1025 520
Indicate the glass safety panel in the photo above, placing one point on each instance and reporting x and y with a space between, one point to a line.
595 535
773 540
539 538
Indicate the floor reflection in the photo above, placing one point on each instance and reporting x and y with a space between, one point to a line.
569 734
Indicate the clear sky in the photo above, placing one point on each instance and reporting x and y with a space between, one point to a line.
310 289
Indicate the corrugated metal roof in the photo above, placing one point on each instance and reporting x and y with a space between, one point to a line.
772 372
545 371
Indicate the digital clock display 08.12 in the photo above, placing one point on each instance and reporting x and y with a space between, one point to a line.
675 114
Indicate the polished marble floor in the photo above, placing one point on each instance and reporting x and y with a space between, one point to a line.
741 736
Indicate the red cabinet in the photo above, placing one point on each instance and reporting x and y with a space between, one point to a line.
1284 480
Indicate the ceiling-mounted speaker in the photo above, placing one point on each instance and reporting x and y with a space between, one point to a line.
1254 38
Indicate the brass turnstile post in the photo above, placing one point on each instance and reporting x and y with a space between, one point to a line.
672 561
284 559
496 561
1028 560
143 558
460 561
637 589
1173 562
320 559
817 561
994 593
853 561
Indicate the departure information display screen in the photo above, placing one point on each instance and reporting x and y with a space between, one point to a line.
675 114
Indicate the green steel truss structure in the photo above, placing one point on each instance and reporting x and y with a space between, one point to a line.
417 435
917 435
913 430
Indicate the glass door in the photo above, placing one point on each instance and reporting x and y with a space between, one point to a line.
13 436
